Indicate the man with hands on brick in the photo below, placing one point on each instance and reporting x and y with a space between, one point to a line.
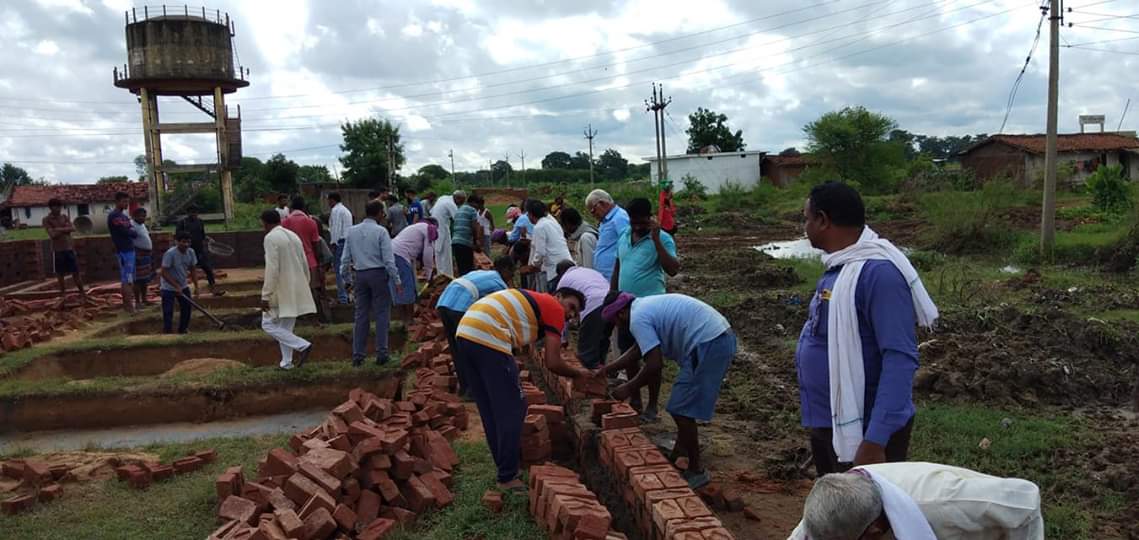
694 335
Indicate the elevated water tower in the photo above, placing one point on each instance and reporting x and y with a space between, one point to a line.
184 52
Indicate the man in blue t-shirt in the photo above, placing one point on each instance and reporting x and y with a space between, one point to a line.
177 267
415 212
464 291
698 339
122 235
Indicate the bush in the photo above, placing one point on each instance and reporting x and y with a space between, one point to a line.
732 196
692 189
1110 190
969 222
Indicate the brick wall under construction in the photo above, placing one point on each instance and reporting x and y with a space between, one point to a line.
31 260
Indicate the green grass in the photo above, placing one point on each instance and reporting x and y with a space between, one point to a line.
185 506
952 433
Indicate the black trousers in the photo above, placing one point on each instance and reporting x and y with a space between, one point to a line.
450 319
464 259
826 461
204 263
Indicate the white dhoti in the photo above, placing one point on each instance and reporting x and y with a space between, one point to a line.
444 262
281 329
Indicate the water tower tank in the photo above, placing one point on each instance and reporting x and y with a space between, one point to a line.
180 52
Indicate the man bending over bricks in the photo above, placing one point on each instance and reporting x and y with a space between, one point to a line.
464 291
489 332
696 337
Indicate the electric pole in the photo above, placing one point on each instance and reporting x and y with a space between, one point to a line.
590 133
451 154
522 156
391 163
490 171
506 159
657 105
1048 219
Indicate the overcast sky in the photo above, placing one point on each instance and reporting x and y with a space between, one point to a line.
491 78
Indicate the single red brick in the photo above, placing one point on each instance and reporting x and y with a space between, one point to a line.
443 496
335 462
279 501
399 515
319 525
367 508
37 473
592 526
50 492
644 482
694 525
312 444
281 462
187 464
534 423
290 523
226 485
162 472
299 489
693 507
419 498
207 456
665 511
322 478
615 420
377 529
17 504
349 411
379 461
403 465
319 500
238 509
345 517
14 469
492 500
139 479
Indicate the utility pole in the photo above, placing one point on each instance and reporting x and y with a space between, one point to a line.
391 163
1048 217
490 171
657 105
590 133
506 159
451 154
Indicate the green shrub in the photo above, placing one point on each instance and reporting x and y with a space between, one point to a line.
926 261
969 222
692 189
733 196
1110 190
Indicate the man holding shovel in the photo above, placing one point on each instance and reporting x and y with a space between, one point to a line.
177 265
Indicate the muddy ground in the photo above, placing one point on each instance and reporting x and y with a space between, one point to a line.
1039 356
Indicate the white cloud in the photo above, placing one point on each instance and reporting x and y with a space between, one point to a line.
76 6
46 47
412 30
621 115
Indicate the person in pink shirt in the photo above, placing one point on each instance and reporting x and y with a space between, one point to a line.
415 242
304 226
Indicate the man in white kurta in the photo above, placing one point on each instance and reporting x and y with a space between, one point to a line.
443 211
285 294
956 504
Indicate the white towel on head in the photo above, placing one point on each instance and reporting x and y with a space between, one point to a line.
844 342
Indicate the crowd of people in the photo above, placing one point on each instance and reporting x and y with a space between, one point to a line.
856 356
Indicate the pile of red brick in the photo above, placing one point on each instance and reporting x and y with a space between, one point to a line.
25 323
570 392
38 482
372 464
562 505
663 505
141 475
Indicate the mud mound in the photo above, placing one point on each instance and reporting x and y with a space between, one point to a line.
1003 355
742 268
201 366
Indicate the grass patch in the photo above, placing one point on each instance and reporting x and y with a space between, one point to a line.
182 507
951 434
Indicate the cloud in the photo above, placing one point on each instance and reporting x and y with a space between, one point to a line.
488 78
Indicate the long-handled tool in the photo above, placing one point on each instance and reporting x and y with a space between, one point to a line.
195 305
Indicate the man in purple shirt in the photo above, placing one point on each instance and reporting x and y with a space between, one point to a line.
835 217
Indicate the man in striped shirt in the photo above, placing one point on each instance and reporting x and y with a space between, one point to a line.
464 291
488 334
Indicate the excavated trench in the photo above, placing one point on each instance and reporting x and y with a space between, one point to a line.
234 321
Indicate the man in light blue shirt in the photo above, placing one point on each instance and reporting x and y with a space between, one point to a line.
368 250
612 222
698 339
464 291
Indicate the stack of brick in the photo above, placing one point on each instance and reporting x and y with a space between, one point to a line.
24 323
21 261
560 438
141 474
371 465
535 440
38 482
569 392
562 505
663 506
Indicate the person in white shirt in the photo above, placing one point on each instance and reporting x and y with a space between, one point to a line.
581 236
283 206
444 211
144 257
339 220
285 294
920 501
548 245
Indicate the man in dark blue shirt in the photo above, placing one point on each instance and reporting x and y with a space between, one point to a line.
122 235
887 331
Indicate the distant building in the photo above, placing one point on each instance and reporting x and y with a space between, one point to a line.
28 204
782 171
713 169
1021 157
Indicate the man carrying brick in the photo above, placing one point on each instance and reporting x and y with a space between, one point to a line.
58 226
285 294
122 235
698 339
464 291
489 332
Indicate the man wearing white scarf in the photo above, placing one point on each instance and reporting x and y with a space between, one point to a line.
857 353
920 501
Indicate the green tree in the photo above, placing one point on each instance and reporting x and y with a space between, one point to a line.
141 167
112 179
11 175
946 147
580 160
853 143
249 183
557 160
612 166
706 127
434 172
314 174
281 174
500 170
366 151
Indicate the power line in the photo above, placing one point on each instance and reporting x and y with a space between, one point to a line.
1126 53
1020 76
1106 29
1104 41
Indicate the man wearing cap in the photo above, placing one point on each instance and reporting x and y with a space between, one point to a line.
698 339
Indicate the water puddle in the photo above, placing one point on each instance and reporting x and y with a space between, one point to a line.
1011 269
791 249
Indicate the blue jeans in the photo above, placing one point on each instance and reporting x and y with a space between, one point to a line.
493 383
168 298
337 252
373 301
